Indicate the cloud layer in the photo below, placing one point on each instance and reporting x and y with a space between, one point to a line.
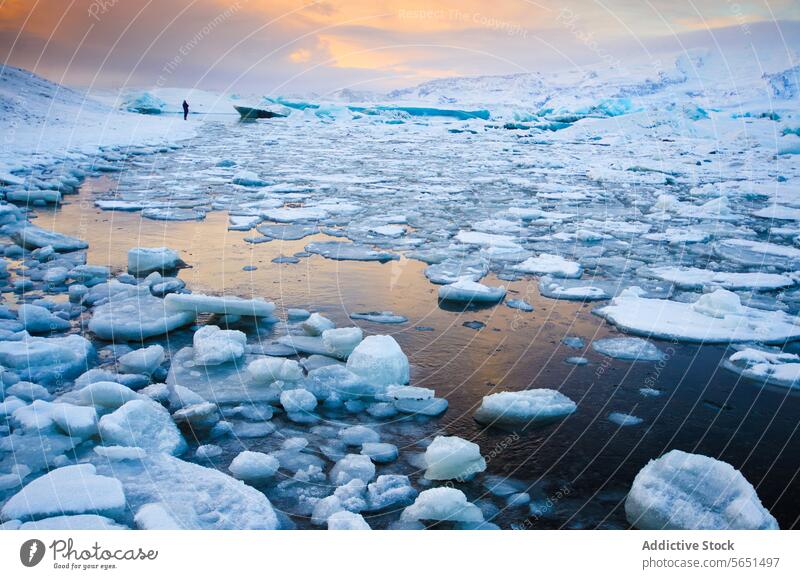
285 46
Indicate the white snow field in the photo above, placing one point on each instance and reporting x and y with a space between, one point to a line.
517 218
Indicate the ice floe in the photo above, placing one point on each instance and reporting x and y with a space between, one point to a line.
524 408
716 318
692 491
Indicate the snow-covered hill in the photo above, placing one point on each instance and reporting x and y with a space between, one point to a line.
42 122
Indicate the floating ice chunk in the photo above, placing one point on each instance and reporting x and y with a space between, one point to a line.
487 239
224 305
146 260
248 179
380 452
442 504
287 232
120 452
518 500
452 270
692 491
194 496
39 320
352 466
105 395
296 214
297 314
388 230
316 324
527 407
142 423
27 391
358 435
32 237
695 278
778 368
379 317
47 360
200 416
465 290
380 361
142 361
340 342
431 407
73 523
352 496
580 290
628 349
76 421
718 304
349 251
779 212
759 253
339 381
69 490
137 317
554 265
623 419
416 400
213 346
267 370
155 517
180 214
254 466
298 400
243 222
223 383
681 321
347 521
521 305
33 196
390 490
324 509
451 457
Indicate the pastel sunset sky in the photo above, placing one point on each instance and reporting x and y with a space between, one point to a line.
285 46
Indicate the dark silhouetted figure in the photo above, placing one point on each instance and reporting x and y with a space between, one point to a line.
185 110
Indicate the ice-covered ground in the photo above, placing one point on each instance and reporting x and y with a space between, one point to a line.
665 201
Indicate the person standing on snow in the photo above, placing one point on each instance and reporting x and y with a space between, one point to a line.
185 110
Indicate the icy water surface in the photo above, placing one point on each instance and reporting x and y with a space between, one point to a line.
435 182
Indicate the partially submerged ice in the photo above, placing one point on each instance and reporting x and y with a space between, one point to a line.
135 315
767 367
451 457
380 361
718 317
466 290
69 490
524 408
691 491
442 504
635 349
146 260
222 305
